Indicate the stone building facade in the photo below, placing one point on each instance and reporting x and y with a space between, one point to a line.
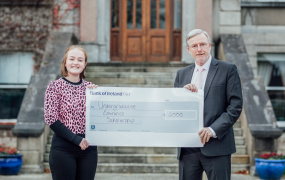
100 27
24 29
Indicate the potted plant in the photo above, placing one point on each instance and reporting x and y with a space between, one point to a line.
270 165
10 161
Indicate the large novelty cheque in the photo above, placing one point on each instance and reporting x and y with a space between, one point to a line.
152 117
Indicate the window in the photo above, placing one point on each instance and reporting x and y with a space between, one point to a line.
271 67
16 69
177 14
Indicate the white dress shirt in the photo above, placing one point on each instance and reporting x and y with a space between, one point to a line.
206 67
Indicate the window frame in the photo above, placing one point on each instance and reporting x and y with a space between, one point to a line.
280 124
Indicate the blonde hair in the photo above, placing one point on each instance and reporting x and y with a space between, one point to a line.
64 71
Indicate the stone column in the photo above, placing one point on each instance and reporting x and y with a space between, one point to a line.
230 17
204 16
88 26
103 30
33 150
188 23
95 29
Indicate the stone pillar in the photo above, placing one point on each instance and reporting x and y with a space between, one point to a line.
188 23
33 150
204 16
88 15
95 29
103 30
230 17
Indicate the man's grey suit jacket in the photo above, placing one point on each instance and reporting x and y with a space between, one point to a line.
222 104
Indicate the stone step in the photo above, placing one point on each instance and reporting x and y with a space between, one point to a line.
240 159
135 85
238 132
241 149
48 148
137 150
132 158
151 168
239 140
158 176
136 168
134 81
46 165
239 167
49 139
131 150
46 157
121 176
132 168
237 124
151 158
148 168
138 158
159 75
135 75
134 68
137 176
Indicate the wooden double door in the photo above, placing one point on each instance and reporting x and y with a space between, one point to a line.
143 32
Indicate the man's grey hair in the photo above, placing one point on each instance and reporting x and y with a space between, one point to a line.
195 32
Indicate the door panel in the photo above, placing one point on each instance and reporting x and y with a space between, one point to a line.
157 45
133 31
134 46
158 49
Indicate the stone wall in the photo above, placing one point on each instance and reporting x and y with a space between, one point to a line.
281 144
262 29
263 32
7 138
25 27
67 16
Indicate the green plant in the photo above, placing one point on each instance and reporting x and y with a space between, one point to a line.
272 155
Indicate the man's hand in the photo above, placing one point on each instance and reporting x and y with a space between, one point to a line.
205 135
84 144
191 87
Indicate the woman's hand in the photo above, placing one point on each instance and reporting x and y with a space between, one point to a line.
91 86
84 144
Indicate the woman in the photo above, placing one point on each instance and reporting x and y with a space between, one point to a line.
70 158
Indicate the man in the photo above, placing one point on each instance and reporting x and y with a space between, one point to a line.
222 106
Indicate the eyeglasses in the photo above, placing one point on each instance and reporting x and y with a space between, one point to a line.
202 45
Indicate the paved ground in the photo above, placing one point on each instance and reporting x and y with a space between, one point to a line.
101 176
